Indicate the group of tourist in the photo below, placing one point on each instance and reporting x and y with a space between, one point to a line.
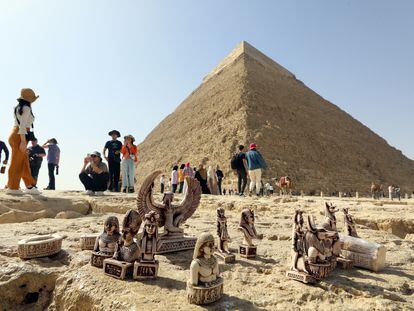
394 192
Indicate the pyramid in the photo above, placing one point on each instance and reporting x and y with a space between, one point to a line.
248 98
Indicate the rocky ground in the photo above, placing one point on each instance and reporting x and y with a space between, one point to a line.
66 281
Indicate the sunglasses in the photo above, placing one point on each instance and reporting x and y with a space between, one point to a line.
94 156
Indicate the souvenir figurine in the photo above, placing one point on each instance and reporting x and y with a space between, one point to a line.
205 284
147 267
349 224
247 249
171 216
127 251
106 243
223 252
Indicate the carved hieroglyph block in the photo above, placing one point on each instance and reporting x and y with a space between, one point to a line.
39 246
301 277
345 263
202 295
226 258
97 259
364 254
118 269
247 251
170 245
87 241
145 270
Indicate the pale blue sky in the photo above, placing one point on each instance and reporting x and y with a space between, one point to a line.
99 65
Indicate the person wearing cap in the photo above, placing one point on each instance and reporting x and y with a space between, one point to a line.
53 158
113 158
94 174
19 166
129 160
256 164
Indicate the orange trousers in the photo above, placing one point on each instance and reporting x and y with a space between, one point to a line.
19 165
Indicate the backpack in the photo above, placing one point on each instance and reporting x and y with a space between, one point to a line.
235 162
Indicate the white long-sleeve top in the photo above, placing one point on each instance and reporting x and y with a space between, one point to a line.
26 120
174 177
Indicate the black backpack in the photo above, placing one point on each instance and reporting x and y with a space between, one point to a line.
235 162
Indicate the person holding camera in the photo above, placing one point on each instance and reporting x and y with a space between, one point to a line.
94 174
36 155
129 159
53 158
21 135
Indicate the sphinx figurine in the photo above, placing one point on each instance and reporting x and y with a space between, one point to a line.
127 251
147 267
247 249
106 242
205 284
349 224
223 252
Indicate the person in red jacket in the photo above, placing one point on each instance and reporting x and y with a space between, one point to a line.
129 159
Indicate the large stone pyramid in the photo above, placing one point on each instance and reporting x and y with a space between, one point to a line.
248 98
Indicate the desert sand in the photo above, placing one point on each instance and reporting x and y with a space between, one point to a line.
66 281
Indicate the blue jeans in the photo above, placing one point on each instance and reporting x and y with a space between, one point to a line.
128 173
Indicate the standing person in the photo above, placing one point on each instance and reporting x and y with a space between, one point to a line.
239 164
187 172
162 183
113 158
94 174
3 148
53 158
181 178
397 191
256 164
129 160
390 191
21 134
219 176
212 180
201 176
36 155
174 178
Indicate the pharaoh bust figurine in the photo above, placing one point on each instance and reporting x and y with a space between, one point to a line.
149 240
205 284
222 232
127 249
247 227
106 243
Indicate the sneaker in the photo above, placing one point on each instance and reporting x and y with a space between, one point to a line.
131 190
124 190
14 192
99 193
32 191
89 192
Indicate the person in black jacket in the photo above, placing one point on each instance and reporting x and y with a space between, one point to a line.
220 176
3 148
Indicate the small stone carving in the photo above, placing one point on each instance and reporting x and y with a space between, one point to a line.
205 284
87 241
39 246
247 249
171 216
349 224
106 242
223 252
147 267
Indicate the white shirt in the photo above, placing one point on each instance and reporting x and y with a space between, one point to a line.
162 180
26 120
174 177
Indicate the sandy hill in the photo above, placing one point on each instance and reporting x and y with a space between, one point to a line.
247 98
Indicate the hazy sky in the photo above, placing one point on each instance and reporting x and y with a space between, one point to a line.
102 65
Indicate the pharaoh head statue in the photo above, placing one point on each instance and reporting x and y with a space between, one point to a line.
168 198
220 212
204 245
111 225
247 218
151 224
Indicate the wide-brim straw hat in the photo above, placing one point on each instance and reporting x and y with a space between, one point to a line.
114 132
28 95
130 136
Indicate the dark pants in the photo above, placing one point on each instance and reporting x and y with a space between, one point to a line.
51 168
219 182
241 180
114 173
35 168
94 182
180 189
162 188
174 188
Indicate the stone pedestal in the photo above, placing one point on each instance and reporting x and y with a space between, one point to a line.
340 194
226 258
118 269
301 277
176 244
87 241
319 270
247 251
145 270
345 263
97 259
201 295
39 246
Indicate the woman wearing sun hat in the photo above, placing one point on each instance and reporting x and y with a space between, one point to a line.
21 134
129 160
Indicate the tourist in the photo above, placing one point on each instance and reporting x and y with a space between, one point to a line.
3 148
113 158
220 177
36 155
130 158
188 172
201 176
397 191
256 164
94 174
174 178
224 191
21 135
390 192
212 180
162 183
181 178
53 158
239 164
